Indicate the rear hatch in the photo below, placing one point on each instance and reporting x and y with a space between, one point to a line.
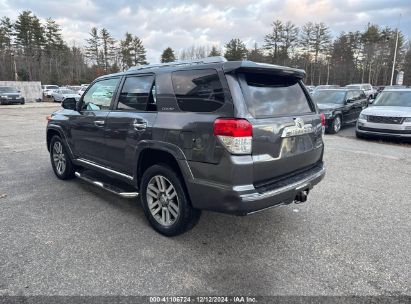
287 131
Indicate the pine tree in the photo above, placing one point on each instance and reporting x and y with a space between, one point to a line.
52 35
168 55
235 50
107 44
6 33
139 51
274 40
93 45
126 50
215 51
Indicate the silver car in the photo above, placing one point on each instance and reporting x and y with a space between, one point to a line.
389 116
61 94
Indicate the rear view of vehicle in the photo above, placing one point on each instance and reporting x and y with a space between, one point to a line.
389 116
273 144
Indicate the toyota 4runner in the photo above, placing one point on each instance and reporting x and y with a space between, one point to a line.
234 137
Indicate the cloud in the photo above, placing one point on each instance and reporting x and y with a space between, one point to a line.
182 23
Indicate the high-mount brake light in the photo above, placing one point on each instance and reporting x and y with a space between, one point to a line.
235 134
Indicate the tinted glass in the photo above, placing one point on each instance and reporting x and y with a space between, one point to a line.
99 96
355 95
271 96
395 99
198 90
67 92
336 97
135 94
8 90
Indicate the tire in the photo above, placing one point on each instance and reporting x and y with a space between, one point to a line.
22 102
335 125
60 160
169 212
359 135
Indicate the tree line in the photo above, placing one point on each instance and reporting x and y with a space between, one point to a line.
36 51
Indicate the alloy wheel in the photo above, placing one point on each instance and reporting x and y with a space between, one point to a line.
162 200
59 158
337 124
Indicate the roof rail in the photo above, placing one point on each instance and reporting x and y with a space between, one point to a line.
215 59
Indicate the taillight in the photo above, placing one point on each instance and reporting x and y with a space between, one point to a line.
235 134
322 119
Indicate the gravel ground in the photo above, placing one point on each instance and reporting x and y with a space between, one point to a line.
352 237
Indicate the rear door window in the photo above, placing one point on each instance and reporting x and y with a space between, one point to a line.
136 94
274 96
198 90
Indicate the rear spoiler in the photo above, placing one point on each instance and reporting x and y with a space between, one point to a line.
250 66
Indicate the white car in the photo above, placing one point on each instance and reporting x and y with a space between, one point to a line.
369 91
61 94
82 90
48 89
389 115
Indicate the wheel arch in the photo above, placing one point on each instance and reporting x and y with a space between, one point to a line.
150 156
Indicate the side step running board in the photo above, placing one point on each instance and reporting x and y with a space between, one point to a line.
106 186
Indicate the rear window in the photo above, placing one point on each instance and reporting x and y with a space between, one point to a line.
271 96
198 90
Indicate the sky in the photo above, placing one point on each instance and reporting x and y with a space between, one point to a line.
183 23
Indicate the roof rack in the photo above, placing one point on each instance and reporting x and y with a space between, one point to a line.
215 59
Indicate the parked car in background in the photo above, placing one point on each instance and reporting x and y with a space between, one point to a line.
10 95
326 86
61 94
82 90
389 116
74 88
48 89
310 88
369 91
340 106
235 137
395 87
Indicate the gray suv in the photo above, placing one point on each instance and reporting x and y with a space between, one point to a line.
233 137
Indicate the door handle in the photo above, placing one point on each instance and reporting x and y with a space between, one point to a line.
139 125
99 123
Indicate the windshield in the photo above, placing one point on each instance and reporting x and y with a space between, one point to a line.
8 90
394 99
271 96
67 92
336 97
354 87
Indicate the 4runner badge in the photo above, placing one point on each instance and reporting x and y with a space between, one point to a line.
299 128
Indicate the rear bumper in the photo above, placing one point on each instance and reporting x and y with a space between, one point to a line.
246 199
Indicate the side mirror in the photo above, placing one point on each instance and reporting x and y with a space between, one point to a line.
69 103
349 100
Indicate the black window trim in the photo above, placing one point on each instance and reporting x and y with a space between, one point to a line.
201 69
121 85
80 102
244 88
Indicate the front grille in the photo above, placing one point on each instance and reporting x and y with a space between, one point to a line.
384 130
386 119
287 179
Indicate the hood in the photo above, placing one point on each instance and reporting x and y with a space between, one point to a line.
388 111
328 106
70 95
